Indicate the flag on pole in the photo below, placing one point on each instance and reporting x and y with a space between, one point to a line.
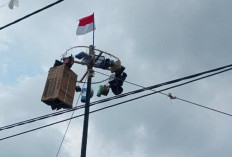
86 25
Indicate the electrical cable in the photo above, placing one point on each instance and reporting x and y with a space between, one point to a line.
21 133
181 99
33 13
40 118
178 98
100 101
145 95
139 97
199 105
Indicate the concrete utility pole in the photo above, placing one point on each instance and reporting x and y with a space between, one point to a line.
86 117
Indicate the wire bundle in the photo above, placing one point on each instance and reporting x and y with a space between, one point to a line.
216 72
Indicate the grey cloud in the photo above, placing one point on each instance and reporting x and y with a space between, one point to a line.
156 41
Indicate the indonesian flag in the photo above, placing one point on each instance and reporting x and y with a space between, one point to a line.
86 25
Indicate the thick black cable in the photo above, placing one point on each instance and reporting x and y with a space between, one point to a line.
196 104
40 118
181 99
103 100
35 12
68 119
79 107
139 97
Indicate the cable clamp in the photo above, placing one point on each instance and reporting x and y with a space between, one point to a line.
90 73
171 96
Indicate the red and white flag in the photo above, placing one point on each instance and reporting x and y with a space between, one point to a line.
86 25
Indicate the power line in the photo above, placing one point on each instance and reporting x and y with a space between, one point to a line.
139 97
33 13
199 105
40 118
21 133
111 98
178 98
187 101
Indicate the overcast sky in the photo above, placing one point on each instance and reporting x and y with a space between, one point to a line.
157 41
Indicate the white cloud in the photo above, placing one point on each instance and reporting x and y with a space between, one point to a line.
4 68
156 41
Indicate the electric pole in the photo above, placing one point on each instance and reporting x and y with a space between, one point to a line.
86 116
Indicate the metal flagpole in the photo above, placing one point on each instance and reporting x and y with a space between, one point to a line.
88 93
93 29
